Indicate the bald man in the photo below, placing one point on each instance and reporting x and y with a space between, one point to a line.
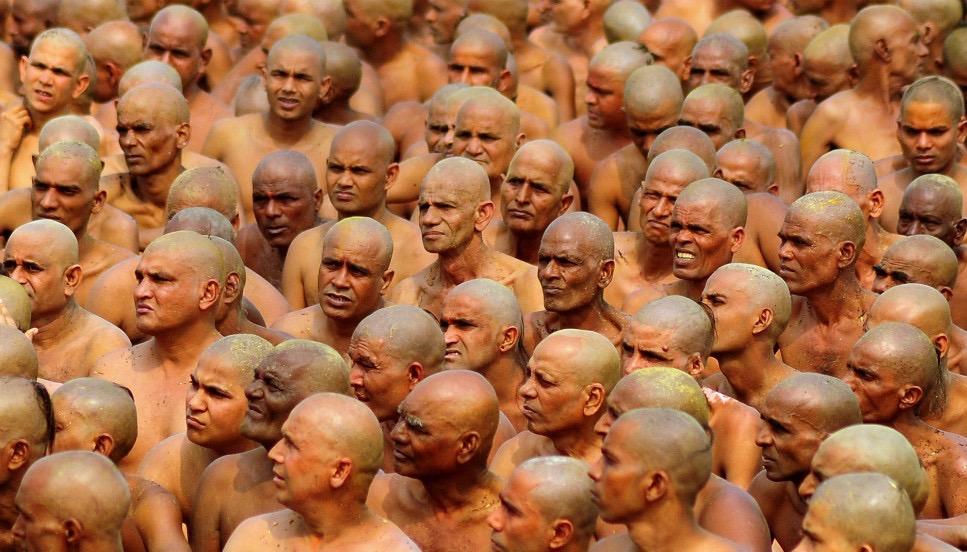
954 65
718 58
359 171
721 507
330 431
670 40
16 303
344 67
98 416
177 36
902 360
288 374
853 174
716 109
483 332
747 164
43 257
27 430
821 240
655 444
455 207
241 142
440 498
407 70
887 48
575 265
918 259
156 371
551 493
92 518
43 100
535 191
115 47
285 201
215 405
19 354
603 130
930 126
567 382
827 68
27 20
798 414
707 228
652 103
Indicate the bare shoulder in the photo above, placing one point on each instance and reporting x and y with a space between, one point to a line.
625 243
516 450
834 109
615 543
262 531
298 323
14 209
162 458
768 494
309 239
518 269
641 297
101 330
568 134
116 365
221 471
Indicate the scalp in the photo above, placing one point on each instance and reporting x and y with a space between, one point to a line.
194 250
945 14
149 71
60 244
729 201
586 229
490 99
302 44
622 58
840 216
592 358
908 353
562 490
294 166
825 402
409 334
462 174
687 138
344 426
370 133
947 188
25 413
850 502
744 27
874 23
298 24
732 46
119 41
955 50
483 22
395 10
69 151
343 66
323 369
231 264
930 253
549 149
106 407
156 101
66 40
935 89
694 331
363 230
678 164
18 354
242 351
662 387
68 128
512 13
653 90
764 288
754 149
831 45
849 171
201 220
210 187
727 97
481 38
625 20
496 300
793 35
184 16
466 400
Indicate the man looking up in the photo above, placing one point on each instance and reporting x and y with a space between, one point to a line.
603 129
443 496
887 47
930 126
53 78
483 332
575 265
324 432
288 374
359 170
534 192
568 380
895 372
652 103
285 200
42 256
295 82
821 240
455 207
178 36
180 277
407 70
798 414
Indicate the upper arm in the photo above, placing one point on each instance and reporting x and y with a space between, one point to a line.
213 143
737 517
602 196
245 537
205 527
158 518
559 79
817 135
292 271
530 296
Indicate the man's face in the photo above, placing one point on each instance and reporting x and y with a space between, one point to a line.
149 140
294 84
299 463
928 136
807 258
36 529
908 51
446 217
701 240
897 269
518 522
733 310
351 282
876 388
708 115
605 98
474 65
552 399
924 211
27 260
355 177
647 346
71 430
442 17
24 24
820 532
251 18
51 77
530 195
567 16
571 275
830 462
215 404
437 127
645 127
472 338
168 292
424 441
787 437
278 386
824 78
711 64
482 134
175 43
658 196
62 190
360 27
283 207
617 478
377 379
743 170
785 78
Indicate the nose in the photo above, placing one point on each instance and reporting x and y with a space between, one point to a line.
195 402
591 98
19 531
527 390
356 376
48 200
450 336
881 284
913 228
253 391
763 438
465 75
272 209
595 472
923 141
398 433
632 363
448 138
429 218
474 146
663 208
549 271
341 279
603 425
808 487
785 252
275 453
496 519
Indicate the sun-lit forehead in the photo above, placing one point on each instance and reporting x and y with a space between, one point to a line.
698 211
214 368
537 165
356 149
54 52
166 259
704 110
464 306
566 239
605 77
440 188
295 60
65 170
926 115
173 31
481 118
33 244
351 248
731 284
469 53
650 336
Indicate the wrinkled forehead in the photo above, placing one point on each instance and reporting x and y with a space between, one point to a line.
481 117
711 56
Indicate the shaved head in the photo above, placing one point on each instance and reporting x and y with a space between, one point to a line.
495 300
726 45
296 24
762 289
747 164
689 322
148 72
302 44
716 99
210 187
588 229
60 243
678 165
831 45
323 369
379 140
397 11
344 68
18 354
81 16
158 101
935 90
202 220
945 187
943 14
293 166
68 128
831 214
66 40
25 414
409 334
743 26
731 205
364 231
661 387
955 61
560 488
591 357
793 35
73 152
483 22
844 171
622 58
547 150
873 24
625 20
184 17
652 91
332 13
16 301
193 250
481 40
686 138
243 352
89 407
826 402
488 99
922 259
462 174
670 40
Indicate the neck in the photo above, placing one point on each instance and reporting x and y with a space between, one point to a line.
107 543
385 49
378 212
693 288
587 35
193 91
38 119
593 316
329 519
910 425
667 526
182 345
525 245
336 112
842 299
154 187
286 132
470 486
582 442
753 370
464 263
654 260
506 375
235 447
52 327
875 83
85 242
8 512
214 11
344 328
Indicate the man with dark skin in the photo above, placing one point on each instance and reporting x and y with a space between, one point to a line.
707 228
285 201
455 207
330 451
575 265
534 192
442 492
887 47
353 277
797 415
721 507
652 103
828 68
98 416
603 129
115 47
670 40
748 165
718 58
821 240
919 259
178 36
929 129
239 486
483 332
215 406
654 463
175 303
42 256
90 520
895 372
568 380
28 19
28 427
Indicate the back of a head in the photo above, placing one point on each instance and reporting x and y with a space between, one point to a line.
652 90
15 299
842 170
344 67
728 44
146 72
743 26
727 98
867 511
831 46
409 335
872 25
687 138
827 402
210 187
624 20
73 128
942 15
562 490
18 354
933 255
662 387
298 24
105 407
793 35
691 324
332 13
26 413
622 58
325 371
201 220
954 47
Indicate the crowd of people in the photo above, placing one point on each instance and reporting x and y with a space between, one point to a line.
466 275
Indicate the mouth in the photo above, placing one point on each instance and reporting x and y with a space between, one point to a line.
277 478
288 103
450 354
43 95
529 412
337 301
683 258
142 308
785 270
431 235
255 412
275 231
519 214
344 196
399 456
194 423
360 394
